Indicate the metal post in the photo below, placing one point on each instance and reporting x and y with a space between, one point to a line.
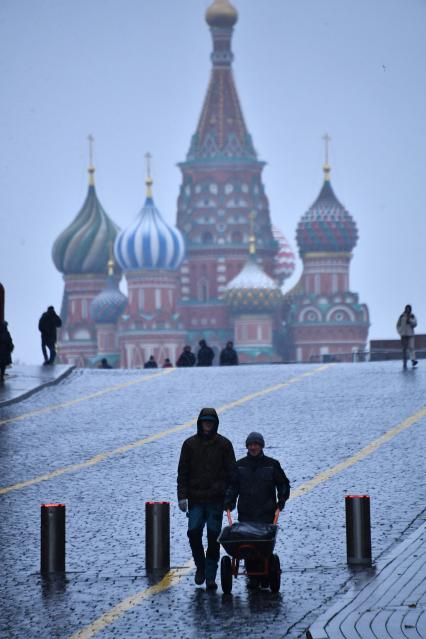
1 302
358 530
52 555
157 536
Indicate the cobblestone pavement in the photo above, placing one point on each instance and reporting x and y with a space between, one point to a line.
310 424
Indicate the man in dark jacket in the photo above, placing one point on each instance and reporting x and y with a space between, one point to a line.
228 355
186 358
261 486
205 355
205 466
6 348
47 326
151 363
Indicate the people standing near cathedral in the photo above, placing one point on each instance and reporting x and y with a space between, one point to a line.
167 363
205 355
205 466
104 363
228 355
47 326
6 348
405 326
151 363
186 358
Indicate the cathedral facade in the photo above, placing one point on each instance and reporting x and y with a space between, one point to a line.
220 273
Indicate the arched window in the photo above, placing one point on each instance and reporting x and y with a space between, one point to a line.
207 238
236 237
203 289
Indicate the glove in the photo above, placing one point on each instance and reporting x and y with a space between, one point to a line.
183 505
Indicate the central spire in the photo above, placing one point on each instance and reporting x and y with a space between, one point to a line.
222 133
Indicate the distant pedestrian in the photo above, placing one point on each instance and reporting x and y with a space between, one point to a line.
186 358
6 348
151 363
405 326
205 466
167 363
104 363
47 326
228 355
205 355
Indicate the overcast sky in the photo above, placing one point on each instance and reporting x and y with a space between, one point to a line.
134 74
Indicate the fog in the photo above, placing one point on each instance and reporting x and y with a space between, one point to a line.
134 74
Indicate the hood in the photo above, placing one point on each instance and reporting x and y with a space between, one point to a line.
210 414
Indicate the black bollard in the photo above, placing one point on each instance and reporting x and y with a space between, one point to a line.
358 530
157 536
52 555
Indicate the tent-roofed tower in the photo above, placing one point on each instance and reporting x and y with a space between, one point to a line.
221 187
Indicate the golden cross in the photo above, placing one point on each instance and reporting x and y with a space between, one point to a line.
327 140
91 139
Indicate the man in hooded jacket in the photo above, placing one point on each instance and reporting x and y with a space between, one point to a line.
205 355
205 466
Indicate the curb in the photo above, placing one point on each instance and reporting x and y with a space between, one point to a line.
318 630
36 389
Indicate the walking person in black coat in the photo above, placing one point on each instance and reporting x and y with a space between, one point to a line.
205 355
205 466
261 486
6 348
228 355
47 326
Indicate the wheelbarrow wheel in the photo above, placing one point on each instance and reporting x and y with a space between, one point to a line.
226 574
274 573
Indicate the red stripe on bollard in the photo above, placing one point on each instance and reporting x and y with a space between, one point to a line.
358 530
52 533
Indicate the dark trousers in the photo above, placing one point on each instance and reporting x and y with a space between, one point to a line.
2 371
48 344
198 516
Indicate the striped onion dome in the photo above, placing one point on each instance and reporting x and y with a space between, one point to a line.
109 304
82 248
326 226
150 243
252 290
285 260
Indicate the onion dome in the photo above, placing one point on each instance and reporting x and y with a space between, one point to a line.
221 13
285 260
109 304
150 243
82 248
252 290
326 226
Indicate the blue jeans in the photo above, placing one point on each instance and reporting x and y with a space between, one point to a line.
198 516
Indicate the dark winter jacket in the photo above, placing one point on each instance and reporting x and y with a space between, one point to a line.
205 355
205 465
228 357
260 485
186 359
6 346
151 363
48 324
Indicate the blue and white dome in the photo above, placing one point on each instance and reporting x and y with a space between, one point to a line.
150 243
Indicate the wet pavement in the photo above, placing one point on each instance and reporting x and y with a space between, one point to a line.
23 381
104 442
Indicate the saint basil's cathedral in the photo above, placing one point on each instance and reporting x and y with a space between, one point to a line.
220 273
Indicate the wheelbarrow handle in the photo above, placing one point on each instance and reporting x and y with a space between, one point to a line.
228 514
277 514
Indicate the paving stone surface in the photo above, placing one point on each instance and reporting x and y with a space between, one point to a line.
392 605
310 425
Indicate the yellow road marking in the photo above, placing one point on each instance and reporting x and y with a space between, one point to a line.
85 398
96 459
361 454
172 578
